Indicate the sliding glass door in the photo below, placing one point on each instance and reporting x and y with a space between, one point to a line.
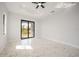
27 29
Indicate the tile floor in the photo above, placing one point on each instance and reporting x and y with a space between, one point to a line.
41 48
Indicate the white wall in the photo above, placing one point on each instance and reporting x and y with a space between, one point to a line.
14 27
3 38
62 27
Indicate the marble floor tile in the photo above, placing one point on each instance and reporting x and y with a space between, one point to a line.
41 48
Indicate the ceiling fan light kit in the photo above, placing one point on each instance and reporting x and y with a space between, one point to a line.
39 4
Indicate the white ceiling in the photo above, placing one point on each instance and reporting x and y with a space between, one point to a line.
28 8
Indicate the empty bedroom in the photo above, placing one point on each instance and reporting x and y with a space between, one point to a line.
39 29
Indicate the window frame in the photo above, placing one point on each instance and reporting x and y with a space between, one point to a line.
4 19
28 29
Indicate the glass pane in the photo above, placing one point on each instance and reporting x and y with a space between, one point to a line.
24 29
4 24
31 29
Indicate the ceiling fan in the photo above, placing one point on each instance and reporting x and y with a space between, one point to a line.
39 4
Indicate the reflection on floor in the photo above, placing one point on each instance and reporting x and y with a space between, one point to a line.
41 48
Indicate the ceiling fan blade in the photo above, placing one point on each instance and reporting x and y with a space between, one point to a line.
43 2
42 6
35 2
37 6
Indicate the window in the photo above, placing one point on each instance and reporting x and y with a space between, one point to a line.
4 17
27 29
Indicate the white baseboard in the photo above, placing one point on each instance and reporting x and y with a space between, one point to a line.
69 44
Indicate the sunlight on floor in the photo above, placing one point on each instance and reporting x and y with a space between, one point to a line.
23 47
25 44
